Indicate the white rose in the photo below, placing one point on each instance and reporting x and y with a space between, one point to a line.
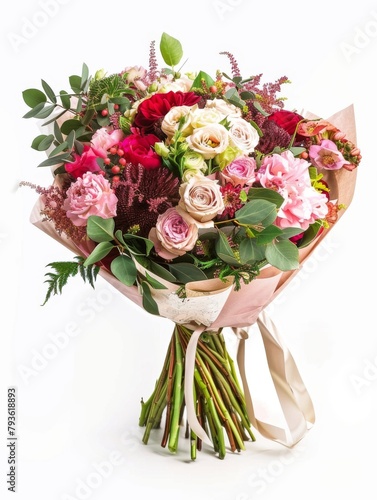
209 141
201 197
243 135
225 108
202 117
172 119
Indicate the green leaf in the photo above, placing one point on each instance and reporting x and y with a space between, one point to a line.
283 255
146 244
99 229
171 50
70 125
296 151
266 194
154 283
255 212
33 112
62 147
54 160
123 268
42 142
58 134
268 234
32 97
250 251
54 118
288 232
161 272
224 250
65 99
75 83
310 234
149 304
99 252
49 92
233 97
45 112
186 272
202 76
84 76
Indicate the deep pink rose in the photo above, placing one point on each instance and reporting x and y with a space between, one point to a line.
138 149
86 162
91 194
155 108
287 120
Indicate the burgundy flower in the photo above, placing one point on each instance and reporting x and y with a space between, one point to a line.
232 201
154 109
287 120
138 150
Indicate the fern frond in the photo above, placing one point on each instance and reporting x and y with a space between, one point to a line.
65 270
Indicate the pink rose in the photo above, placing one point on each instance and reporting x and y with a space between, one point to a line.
201 197
138 149
86 162
240 172
326 155
175 233
102 141
91 194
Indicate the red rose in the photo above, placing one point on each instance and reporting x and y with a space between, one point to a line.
287 120
138 150
86 162
155 108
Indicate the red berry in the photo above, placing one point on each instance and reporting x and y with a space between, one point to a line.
115 169
213 89
107 161
116 106
104 112
122 161
120 152
113 150
116 178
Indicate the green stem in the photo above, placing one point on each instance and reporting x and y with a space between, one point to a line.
177 395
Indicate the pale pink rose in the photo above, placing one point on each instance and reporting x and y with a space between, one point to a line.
289 176
326 155
201 197
209 141
240 171
91 194
102 141
173 119
225 108
175 233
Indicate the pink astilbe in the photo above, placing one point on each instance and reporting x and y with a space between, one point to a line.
234 64
153 65
53 199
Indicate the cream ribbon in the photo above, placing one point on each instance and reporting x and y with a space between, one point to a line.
294 399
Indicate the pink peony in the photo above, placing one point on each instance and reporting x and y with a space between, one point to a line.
86 162
91 194
326 155
175 233
103 140
289 176
240 171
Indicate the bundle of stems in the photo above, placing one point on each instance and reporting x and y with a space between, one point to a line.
218 396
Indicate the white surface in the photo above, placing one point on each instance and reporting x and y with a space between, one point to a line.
78 411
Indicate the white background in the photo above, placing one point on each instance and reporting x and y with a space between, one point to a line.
77 412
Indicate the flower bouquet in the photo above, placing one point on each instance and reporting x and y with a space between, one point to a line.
198 197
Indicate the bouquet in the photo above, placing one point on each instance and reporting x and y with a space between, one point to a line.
198 197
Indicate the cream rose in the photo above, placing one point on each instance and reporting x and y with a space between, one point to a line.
201 197
201 117
225 108
243 135
171 121
209 141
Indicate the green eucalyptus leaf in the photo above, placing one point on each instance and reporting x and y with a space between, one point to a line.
84 76
268 234
224 250
42 142
54 160
70 125
288 232
33 112
154 283
75 83
46 111
65 99
62 147
124 269
99 252
266 194
283 255
310 234
53 119
99 229
256 211
250 251
49 92
32 97
149 304
171 49
162 272
185 272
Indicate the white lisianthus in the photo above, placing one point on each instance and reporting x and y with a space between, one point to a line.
167 84
209 141
201 197
171 121
225 108
202 117
243 135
